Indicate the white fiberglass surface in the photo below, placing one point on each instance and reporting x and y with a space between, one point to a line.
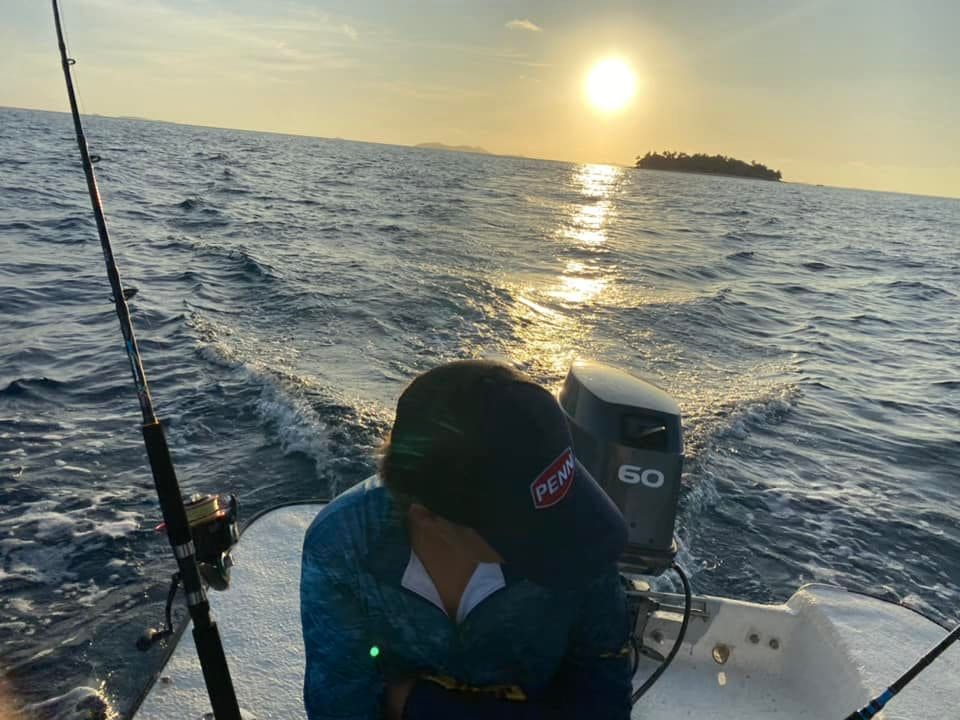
821 655
259 620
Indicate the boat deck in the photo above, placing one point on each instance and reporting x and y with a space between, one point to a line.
821 655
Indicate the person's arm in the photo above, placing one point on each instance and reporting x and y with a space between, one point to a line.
341 680
594 680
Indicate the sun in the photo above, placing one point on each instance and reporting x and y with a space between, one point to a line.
610 85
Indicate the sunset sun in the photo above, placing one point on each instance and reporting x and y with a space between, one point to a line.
610 85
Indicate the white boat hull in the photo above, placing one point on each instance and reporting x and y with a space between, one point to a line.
821 655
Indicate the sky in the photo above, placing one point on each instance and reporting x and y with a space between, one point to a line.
856 93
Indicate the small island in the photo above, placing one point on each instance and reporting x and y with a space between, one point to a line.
453 148
706 164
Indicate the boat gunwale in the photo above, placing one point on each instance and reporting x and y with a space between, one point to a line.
173 642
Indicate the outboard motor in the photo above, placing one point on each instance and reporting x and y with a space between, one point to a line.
627 433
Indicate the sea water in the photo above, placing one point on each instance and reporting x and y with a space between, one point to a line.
288 288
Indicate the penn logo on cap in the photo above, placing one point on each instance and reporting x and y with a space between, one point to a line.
552 485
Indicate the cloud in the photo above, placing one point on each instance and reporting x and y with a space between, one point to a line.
428 92
229 43
528 25
506 55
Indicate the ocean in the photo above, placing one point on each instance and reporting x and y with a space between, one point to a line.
289 287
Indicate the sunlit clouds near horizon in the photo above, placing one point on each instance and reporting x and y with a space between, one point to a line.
856 93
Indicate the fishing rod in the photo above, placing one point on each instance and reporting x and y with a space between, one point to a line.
213 662
878 703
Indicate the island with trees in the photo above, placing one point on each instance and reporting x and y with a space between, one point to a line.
707 164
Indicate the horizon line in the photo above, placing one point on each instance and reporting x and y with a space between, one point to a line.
488 152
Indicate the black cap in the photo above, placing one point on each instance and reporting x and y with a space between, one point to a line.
484 446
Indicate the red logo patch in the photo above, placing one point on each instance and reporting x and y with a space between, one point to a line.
552 485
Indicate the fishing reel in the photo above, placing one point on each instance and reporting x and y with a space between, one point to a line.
213 526
213 521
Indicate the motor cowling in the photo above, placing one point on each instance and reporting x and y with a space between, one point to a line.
627 433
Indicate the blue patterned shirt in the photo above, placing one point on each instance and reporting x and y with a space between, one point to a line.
522 652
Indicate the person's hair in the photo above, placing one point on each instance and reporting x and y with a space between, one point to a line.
430 442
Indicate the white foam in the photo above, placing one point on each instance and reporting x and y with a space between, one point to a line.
80 703
88 595
53 526
21 605
55 539
74 468
283 405
296 423
126 523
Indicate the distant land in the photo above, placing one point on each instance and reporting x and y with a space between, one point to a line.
468 148
706 164
453 148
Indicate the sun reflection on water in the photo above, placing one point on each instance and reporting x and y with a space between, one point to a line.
548 326
579 283
587 218
545 341
586 223
597 180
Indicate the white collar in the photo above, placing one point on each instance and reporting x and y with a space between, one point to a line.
487 578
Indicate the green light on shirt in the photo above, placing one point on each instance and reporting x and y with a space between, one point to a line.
374 651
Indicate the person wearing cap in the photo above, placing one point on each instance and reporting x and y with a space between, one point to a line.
475 576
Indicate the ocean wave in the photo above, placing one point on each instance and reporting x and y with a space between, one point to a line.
232 191
296 411
754 235
919 290
244 259
210 157
80 703
40 389
400 233
726 213
737 418
866 318
16 226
